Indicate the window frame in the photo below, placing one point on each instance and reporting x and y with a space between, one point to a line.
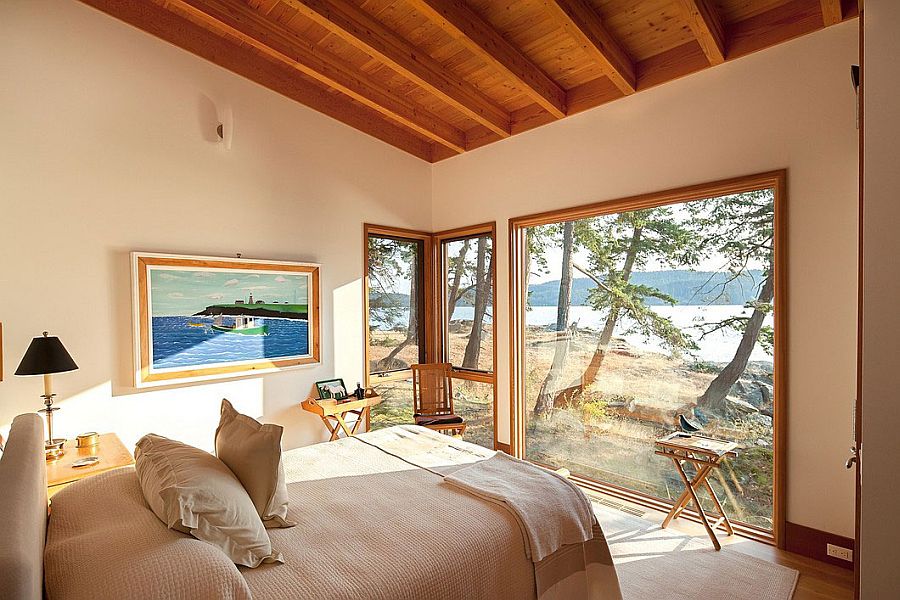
440 286
434 302
427 309
775 180
442 261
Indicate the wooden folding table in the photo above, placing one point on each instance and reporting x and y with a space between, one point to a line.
704 454
334 412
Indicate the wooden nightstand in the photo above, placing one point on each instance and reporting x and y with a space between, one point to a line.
112 452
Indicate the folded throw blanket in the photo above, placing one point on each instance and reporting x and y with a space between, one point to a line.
551 510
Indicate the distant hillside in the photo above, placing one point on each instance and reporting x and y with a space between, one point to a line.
687 287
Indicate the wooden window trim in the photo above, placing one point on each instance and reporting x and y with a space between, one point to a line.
428 293
776 180
440 288
433 307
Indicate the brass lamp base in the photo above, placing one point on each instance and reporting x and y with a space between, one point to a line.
53 449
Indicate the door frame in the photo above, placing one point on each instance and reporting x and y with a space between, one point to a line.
440 288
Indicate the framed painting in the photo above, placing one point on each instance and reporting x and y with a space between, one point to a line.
198 318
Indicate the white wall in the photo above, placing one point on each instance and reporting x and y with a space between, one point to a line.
790 107
879 531
106 149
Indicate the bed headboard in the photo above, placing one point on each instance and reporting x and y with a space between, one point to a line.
23 510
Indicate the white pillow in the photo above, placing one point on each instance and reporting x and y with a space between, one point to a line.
192 491
253 453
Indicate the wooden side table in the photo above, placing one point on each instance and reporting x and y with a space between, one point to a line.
333 413
704 454
111 451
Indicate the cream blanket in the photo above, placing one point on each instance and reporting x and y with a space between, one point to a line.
551 510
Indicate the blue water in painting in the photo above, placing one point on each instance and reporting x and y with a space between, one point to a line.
176 344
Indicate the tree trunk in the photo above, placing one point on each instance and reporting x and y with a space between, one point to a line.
593 368
529 233
551 385
482 293
412 328
713 398
459 265
565 279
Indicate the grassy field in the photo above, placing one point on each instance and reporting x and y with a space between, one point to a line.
608 432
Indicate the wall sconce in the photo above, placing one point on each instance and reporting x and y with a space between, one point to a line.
225 127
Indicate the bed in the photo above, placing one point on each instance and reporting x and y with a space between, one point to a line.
375 521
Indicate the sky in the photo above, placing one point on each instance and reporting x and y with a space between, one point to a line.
186 292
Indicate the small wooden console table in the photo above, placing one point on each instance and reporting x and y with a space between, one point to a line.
334 412
111 451
704 454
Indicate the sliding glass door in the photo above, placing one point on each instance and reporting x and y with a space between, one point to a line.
638 318
465 286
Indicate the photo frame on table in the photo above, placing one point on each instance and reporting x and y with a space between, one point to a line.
197 317
332 389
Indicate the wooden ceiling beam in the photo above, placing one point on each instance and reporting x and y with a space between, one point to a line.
707 27
583 23
179 31
276 40
463 24
832 13
366 33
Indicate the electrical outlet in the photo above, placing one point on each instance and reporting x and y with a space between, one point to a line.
839 552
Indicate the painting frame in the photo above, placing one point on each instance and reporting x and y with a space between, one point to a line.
146 374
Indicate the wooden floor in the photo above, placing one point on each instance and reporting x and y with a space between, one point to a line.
818 580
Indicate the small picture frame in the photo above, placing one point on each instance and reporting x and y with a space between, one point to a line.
332 389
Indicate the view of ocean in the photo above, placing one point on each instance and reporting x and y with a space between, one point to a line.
716 347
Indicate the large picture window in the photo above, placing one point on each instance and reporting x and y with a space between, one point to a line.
649 315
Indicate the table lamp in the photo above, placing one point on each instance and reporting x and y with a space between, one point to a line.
47 355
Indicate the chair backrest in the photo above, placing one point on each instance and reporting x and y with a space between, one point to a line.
23 510
432 389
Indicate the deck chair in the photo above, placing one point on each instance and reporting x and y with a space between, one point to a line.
433 399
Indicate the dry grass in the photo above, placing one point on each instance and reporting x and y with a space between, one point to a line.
642 394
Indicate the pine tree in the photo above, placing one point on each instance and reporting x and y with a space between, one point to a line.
619 244
741 228
390 262
484 266
544 403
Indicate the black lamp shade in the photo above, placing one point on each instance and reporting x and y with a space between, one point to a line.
45 355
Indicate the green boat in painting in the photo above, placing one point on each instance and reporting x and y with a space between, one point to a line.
242 326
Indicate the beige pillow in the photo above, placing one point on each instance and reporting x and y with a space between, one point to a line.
192 491
253 453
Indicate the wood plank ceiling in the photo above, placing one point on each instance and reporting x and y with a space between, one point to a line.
440 77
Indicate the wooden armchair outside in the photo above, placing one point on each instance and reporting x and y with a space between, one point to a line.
433 399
